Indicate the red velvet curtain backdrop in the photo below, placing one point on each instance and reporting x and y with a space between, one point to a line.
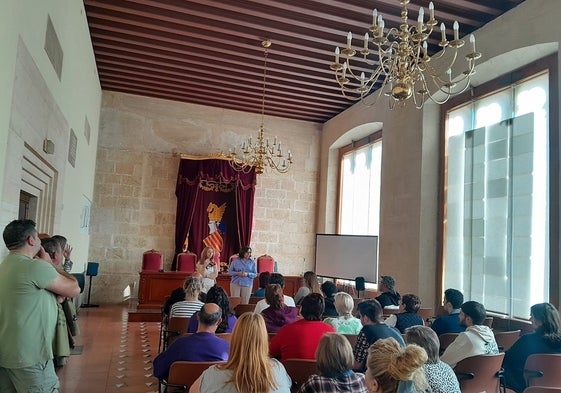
214 206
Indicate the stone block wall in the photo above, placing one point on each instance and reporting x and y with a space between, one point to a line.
134 197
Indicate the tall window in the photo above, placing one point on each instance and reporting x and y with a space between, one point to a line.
497 200
359 201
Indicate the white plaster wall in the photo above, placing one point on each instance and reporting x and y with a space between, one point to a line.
23 118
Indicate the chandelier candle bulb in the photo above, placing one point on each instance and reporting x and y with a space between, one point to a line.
395 61
456 30
337 52
472 40
420 19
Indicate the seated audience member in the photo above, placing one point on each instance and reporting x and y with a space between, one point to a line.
545 339
264 278
276 278
202 295
411 305
477 339
329 290
66 251
393 368
202 346
177 295
310 284
191 304
453 300
345 323
216 294
440 376
207 268
277 314
370 314
389 297
299 340
249 367
334 358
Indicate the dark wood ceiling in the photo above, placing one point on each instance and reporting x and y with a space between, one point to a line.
209 51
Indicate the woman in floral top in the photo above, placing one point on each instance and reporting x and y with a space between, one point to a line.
345 323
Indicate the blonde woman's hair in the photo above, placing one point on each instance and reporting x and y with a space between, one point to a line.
311 281
193 286
252 369
344 304
202 258
390 363
334 355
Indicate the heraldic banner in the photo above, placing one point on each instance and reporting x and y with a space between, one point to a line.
214 207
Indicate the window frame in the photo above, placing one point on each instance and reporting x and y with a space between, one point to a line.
549 64
354 145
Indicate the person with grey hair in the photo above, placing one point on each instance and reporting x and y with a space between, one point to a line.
186 308
478 339
389 297
440 376
345 323
66 251
202 346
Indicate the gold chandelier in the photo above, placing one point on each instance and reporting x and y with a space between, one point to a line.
262 153
403 68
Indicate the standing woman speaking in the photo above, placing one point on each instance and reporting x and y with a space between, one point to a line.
243 270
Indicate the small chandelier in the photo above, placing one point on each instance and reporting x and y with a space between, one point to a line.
262 153
403 68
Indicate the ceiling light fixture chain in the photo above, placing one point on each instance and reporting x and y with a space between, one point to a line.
262 154
402 67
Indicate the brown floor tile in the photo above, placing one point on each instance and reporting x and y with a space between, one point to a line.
117 355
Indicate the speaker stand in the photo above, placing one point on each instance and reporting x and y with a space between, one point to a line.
88 304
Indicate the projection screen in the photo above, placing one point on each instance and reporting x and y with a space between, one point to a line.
347 256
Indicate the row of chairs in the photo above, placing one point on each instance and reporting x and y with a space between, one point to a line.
183 374
476 374
152 260
483 373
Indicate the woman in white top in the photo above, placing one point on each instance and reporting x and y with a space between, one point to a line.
345 323
249 367
207 268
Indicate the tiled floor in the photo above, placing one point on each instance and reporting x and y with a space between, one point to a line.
117 355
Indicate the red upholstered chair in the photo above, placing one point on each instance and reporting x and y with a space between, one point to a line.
186 262
265 263
152 260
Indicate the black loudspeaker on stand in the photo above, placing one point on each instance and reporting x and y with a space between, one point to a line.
359 285
91 270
